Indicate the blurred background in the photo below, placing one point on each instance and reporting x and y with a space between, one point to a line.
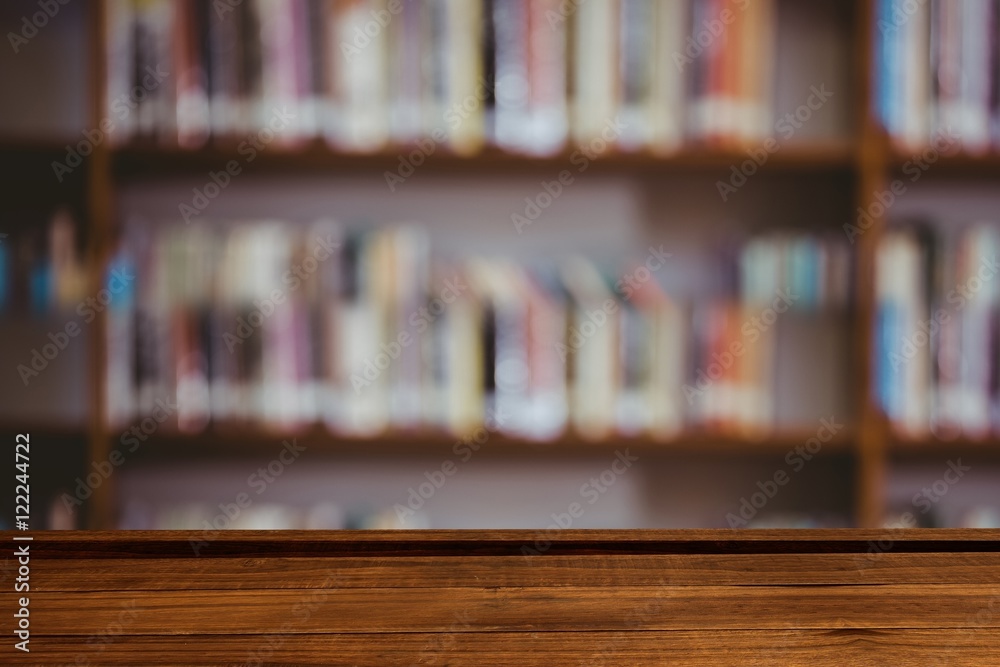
501 263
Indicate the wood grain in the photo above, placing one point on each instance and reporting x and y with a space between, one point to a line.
499 608
823 648
155 574
771 597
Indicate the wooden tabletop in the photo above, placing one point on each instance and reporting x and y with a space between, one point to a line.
559 597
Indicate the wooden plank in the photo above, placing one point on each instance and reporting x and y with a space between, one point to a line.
434 609
162 574
720 648
545 543
453 597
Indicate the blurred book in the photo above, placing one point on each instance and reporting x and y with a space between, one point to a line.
367 332
937 72
937 331
41 266
524 75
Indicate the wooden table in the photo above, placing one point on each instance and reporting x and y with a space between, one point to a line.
769 597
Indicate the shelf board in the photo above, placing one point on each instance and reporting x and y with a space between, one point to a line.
13 147
29 177
152 160
47 429
960 164
933 446
235 442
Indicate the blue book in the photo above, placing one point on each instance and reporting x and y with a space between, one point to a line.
40 288
886 377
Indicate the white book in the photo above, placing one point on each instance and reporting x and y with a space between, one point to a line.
407 41
974 115
593 343
666 400
595 58
358 62
916 78
666 109
363 407
120 62
464 88
635 66
462 349
513 79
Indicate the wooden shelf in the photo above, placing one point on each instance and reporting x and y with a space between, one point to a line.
235 441
45 430
29 178
145 160
957 164
901 446
13 147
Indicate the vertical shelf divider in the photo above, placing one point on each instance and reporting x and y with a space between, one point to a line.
872 165
99 211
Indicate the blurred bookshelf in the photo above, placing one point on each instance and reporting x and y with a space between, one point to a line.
830 173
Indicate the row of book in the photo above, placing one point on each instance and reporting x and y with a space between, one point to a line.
138 514
937 336
203 516
41 265
937 71
323 516
285 325
526 75
971 516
